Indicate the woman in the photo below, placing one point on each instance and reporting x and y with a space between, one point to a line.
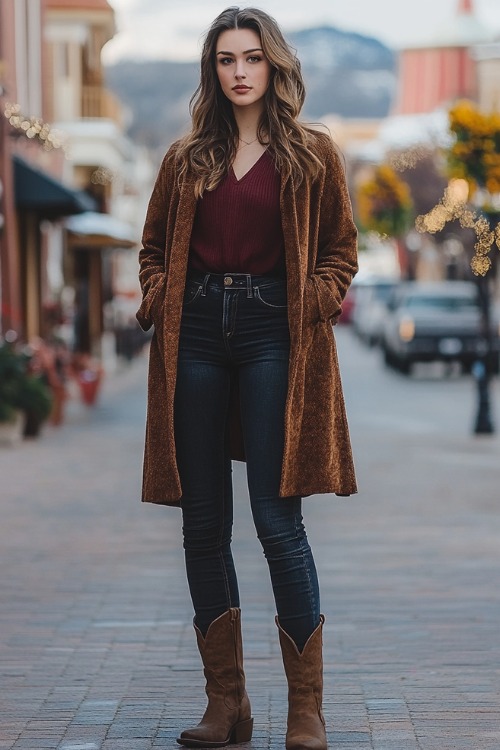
249 248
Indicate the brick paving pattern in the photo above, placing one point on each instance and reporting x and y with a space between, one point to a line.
97 650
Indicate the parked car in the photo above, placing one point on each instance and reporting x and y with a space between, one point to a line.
434 321
370 310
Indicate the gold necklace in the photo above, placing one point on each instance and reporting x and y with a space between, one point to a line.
248 143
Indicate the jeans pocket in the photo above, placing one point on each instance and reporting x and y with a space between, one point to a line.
272 295
191 293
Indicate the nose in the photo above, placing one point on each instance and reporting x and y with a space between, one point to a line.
240 69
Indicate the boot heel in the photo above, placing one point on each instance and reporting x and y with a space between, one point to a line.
241 732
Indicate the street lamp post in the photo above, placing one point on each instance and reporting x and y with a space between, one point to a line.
484 367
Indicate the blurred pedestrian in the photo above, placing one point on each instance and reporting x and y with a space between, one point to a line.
248 250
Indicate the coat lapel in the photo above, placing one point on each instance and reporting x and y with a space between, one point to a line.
290 229
296 268
179 246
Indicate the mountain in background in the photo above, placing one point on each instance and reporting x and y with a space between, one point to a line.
345 73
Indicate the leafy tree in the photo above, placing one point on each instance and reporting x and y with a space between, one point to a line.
384 203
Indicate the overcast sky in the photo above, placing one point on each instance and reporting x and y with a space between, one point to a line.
172 29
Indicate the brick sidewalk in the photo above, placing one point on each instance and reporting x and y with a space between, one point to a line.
96 647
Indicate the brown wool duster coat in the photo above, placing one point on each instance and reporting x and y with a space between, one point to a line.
321 259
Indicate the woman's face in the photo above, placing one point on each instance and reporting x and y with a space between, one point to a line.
242 68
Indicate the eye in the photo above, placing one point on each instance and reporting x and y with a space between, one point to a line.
225 60
254 59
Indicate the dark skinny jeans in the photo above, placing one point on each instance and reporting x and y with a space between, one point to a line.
235 325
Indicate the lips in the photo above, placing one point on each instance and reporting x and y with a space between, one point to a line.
241 88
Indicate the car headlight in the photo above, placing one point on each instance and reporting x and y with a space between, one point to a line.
406 329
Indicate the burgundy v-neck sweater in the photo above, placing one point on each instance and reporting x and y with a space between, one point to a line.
237 227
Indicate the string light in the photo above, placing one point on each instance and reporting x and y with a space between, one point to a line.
408 159
101 176
448 209
453 206
33 128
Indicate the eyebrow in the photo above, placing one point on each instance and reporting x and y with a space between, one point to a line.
245 52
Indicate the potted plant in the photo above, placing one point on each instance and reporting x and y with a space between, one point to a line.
11 415
25 400
88 374
36 403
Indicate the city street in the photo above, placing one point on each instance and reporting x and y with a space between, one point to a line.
97 650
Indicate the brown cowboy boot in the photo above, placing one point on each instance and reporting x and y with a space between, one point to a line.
304 672
227 718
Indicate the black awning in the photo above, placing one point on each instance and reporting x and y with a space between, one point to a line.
39 192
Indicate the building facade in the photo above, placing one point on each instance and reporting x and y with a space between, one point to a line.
31 157
434 75
487 58
64 156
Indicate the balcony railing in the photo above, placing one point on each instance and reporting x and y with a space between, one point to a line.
97 102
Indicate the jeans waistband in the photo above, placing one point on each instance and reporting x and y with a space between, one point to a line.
229 280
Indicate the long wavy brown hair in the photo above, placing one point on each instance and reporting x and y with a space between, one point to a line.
210 148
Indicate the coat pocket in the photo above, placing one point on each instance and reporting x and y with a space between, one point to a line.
150 304
326 306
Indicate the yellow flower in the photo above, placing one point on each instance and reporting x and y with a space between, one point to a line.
475 154
384 202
